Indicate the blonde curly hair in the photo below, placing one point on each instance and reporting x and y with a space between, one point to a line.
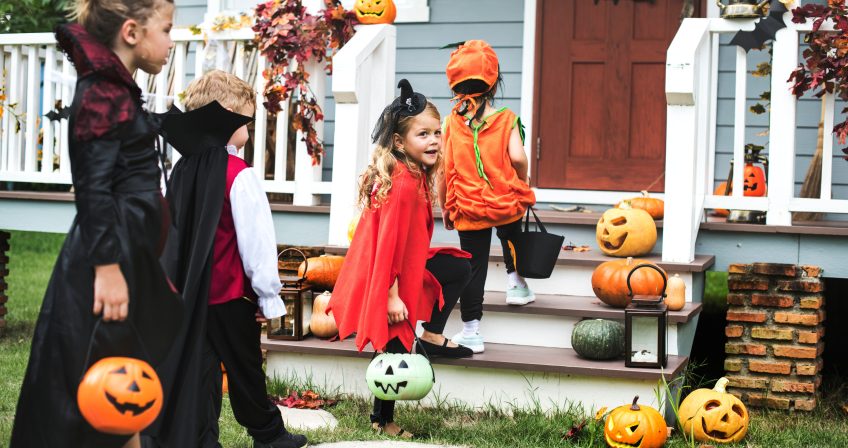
383 163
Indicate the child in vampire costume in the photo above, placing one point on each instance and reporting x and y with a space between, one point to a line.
121 218
221 254
390 260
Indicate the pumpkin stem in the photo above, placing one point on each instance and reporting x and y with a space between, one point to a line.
625 205
721 385
629 261
644 193
634 406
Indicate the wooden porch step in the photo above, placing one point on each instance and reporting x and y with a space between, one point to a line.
499 356
591 258
575 306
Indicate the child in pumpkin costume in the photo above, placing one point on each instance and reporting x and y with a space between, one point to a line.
221 255
108 265
484 184
390 274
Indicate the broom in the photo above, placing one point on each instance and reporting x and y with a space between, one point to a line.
811 188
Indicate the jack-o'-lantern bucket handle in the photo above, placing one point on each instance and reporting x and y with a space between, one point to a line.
141 346
646 265
305 261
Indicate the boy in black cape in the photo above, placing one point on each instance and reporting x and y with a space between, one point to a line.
221 254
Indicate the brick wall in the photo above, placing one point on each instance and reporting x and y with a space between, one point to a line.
4 272
775 334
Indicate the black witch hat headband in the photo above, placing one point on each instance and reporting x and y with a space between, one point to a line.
408 104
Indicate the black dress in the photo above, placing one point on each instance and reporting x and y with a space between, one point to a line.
121 218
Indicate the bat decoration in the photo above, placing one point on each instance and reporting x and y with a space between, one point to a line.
764 30
59 113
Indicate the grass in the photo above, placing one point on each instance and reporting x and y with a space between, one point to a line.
31 261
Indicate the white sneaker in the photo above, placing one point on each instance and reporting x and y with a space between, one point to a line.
475 343
519 296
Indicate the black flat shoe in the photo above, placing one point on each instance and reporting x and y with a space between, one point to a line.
443 350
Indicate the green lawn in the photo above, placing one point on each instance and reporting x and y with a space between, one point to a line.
31 260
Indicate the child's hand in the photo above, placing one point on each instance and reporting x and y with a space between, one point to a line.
111 296
448 222
260 317
396 310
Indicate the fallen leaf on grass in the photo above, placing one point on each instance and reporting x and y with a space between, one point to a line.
307 400
575 431
600 414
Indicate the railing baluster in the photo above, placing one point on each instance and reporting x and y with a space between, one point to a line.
199 55
259 131
782 129
33 103
305 173
48 101
64 158
740 112
14 92
238 64
827 148
4 120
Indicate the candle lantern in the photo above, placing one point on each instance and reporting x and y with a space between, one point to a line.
645 326
298 298
742 9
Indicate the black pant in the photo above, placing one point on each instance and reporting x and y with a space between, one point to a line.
478 243
452 273
232 335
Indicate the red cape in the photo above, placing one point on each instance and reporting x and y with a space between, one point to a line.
392 241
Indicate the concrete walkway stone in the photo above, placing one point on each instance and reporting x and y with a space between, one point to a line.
380 444
303 419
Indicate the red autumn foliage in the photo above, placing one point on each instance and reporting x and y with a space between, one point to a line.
307 400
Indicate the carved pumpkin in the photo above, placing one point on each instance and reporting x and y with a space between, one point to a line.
626 232
375 11
399 376
322 271
609 281
120 395
635 426
713 415
655 207
675 293
755 180
321 324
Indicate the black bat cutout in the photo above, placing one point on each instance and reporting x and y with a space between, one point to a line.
764 30
388 387
123 408
59 113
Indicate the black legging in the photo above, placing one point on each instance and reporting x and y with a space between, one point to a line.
453 274
478 243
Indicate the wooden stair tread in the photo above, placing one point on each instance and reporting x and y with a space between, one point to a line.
578 306
498 356
591 258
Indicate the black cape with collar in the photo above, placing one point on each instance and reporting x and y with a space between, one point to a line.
196 194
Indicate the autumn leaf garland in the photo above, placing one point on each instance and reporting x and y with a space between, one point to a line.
289 36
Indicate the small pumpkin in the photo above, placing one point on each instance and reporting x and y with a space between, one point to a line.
120 395
713 415
655 207
721 190
675 293
609 281
321 324
635 426
323 271
626 232
400 376
598 339
375 11
754 180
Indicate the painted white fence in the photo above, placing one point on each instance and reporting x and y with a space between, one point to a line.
37 75
691 94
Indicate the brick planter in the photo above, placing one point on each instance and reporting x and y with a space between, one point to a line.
775 334
4 272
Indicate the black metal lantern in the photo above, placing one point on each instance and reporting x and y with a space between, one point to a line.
298 298
742 9
645 326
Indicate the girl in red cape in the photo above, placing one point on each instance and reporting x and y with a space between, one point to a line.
390 274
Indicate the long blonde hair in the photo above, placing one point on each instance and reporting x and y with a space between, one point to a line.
383 163
103 18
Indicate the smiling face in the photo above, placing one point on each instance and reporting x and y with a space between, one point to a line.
375 11
626 232
713 415
632 426
422 141
755 181
394 376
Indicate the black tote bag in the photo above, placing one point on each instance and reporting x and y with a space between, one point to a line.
535 253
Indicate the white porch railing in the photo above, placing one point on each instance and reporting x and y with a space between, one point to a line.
691 94
37 75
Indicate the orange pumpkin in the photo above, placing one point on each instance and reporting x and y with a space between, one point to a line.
721 190
626 232
375 11
754 181
225 386
655 207
609 281
323 271
321 324
635 426
713 415
675 293
120 395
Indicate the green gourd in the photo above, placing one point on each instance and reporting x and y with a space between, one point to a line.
598 339
399 376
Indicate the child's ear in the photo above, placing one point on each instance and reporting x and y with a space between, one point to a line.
397 141
130 32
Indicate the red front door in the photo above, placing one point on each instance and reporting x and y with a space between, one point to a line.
600 97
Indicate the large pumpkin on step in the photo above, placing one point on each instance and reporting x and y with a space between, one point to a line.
609 281
655 207
321 324
598 339
635 426
713 415
322 272
120 395
626 232
375 11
